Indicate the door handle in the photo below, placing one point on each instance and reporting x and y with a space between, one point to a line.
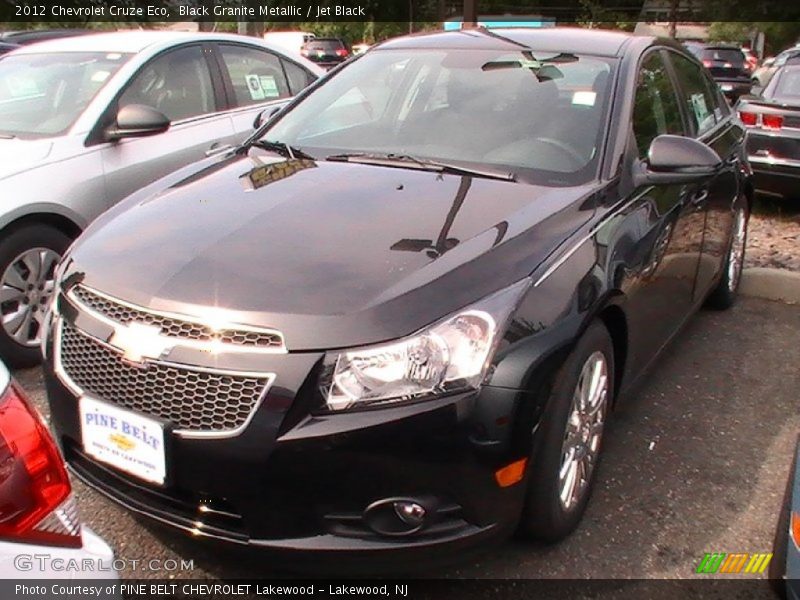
218 148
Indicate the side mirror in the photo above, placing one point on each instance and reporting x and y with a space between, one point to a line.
676 159
266 114
137 120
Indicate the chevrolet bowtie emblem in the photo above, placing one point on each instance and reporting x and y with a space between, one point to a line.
138 342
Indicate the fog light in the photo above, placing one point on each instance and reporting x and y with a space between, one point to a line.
398 516
411 513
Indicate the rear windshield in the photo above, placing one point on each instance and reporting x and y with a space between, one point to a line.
331 45
731 55
789 83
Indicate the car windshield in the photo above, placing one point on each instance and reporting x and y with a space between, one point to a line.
42 95
788 85
539 115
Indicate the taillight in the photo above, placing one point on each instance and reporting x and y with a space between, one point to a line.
748 118
772 121
342 52
707 63
795 528
36 503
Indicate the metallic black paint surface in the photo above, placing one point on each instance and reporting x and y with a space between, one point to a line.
330 254
344 245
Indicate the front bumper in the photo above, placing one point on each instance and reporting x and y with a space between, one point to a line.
304 488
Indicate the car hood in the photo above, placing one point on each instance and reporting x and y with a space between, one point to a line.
17 155
332 254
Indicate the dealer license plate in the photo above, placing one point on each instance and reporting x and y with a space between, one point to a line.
123 439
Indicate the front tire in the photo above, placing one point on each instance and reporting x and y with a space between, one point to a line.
28 259
569 439
724 295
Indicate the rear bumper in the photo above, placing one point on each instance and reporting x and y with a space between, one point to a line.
93 560
777 177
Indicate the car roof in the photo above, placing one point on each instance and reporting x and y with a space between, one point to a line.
131 41
572 39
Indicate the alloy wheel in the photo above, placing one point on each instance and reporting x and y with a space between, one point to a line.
25 291
584 431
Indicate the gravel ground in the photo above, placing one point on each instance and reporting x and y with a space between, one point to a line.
774 237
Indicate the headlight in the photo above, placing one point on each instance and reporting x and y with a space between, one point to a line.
52 304
450 355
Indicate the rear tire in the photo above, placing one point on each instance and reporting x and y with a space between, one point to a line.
28 257
552 511
724 295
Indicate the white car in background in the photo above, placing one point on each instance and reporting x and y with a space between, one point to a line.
75 116
292 41
40 534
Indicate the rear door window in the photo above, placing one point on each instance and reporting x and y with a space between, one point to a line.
699 100
257 76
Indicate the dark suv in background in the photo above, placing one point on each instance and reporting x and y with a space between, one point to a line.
326 52
728 67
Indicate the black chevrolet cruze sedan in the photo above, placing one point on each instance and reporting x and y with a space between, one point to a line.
394 322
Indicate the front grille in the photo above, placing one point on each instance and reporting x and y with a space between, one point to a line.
174 326
192 399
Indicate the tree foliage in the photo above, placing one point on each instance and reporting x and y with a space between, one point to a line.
777 35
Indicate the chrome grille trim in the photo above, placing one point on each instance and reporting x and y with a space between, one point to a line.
188 330
266 380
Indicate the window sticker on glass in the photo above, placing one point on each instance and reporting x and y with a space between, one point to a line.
254 87
584 98
699 107
100 76
269 86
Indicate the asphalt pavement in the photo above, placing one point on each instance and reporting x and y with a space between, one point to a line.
696 460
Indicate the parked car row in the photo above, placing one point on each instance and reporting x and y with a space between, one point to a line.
764 73
728 65
773 137
399 315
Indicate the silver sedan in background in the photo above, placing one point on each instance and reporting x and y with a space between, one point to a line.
76 120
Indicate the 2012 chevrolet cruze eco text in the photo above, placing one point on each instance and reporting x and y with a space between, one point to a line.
395 321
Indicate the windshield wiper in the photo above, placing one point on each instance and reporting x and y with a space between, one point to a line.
7 136
281 148
412 162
